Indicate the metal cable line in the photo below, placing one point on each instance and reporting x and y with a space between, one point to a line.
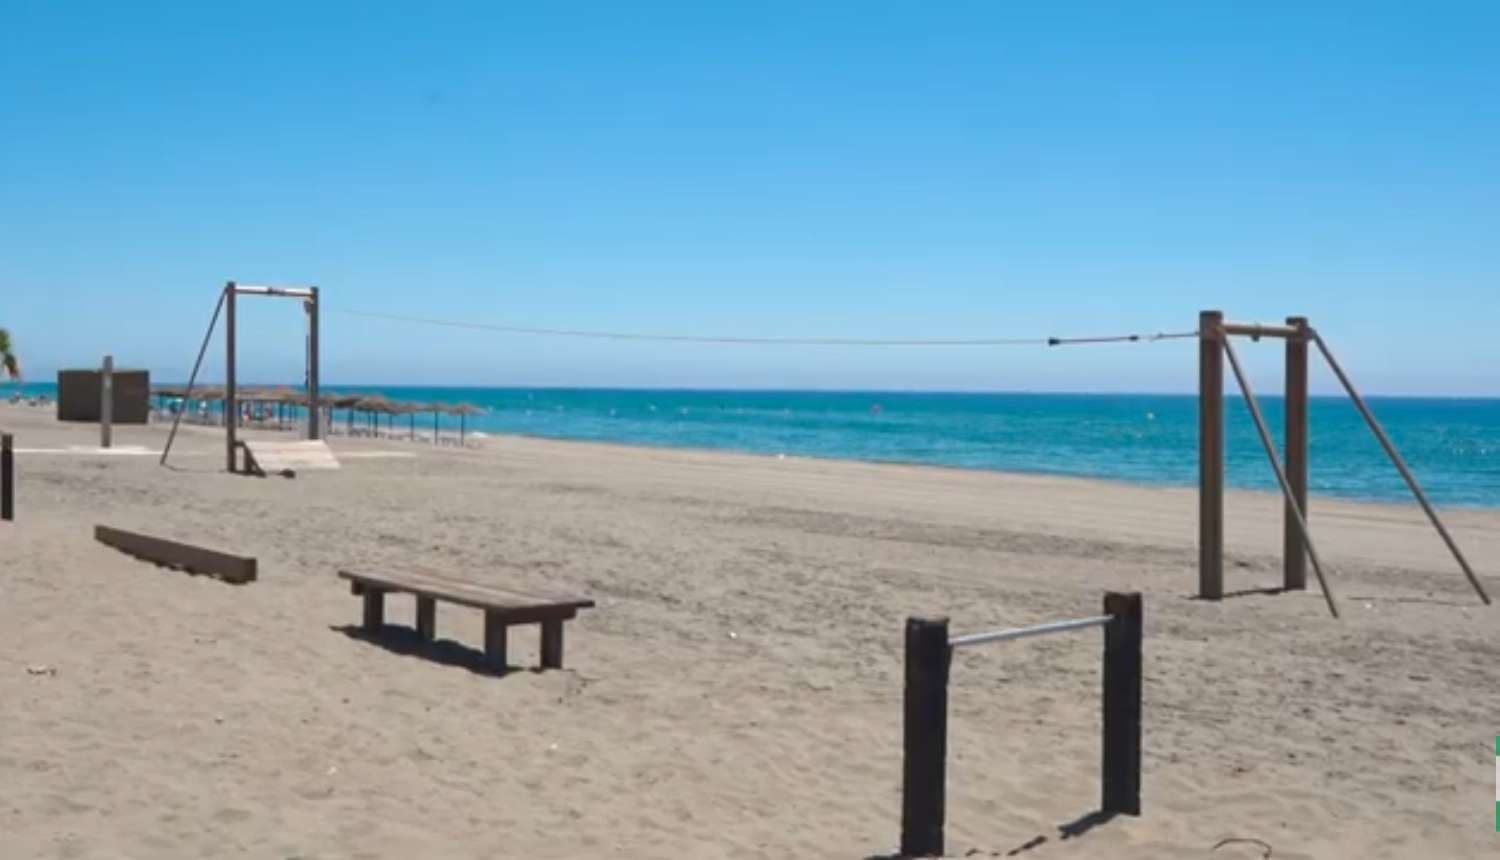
762 341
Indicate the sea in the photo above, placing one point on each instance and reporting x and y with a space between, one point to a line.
1453 445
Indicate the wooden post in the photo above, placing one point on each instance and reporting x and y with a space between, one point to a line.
1400 464
552 644
1122 704
1286 488
7 478
426 617
1294 555
1210 455
314 424
925 742
495 640
106 401
374 608
231 405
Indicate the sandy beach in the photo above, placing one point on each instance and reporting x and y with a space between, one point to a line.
737 690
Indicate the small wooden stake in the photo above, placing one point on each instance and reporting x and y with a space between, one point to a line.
925 729
7 478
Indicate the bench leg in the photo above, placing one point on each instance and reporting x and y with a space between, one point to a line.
552 644
426 618
494 641
374 609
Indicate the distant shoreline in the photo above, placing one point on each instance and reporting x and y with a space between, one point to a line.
1140 439
10 387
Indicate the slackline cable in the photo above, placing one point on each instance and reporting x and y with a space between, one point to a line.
767 341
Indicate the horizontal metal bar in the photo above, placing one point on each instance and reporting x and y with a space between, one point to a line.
294 292
1257 330
1035 630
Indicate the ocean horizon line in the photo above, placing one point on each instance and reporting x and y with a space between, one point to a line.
1333 395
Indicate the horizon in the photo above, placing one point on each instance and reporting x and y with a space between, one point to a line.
1230 396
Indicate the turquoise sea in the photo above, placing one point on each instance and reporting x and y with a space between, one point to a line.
1452 444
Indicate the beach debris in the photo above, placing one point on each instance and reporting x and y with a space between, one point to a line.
333 769
40 669
733 635
1241 840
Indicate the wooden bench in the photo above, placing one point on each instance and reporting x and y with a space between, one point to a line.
502 608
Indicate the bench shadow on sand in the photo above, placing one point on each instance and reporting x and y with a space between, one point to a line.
406 642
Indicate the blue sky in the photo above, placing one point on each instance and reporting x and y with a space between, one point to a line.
821 169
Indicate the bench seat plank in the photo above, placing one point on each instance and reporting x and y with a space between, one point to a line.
513 605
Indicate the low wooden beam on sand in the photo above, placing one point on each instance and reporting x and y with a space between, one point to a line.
234 569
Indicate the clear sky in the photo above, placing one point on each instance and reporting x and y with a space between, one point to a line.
823 169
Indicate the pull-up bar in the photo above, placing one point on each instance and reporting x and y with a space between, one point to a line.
1214 344
226 304
1034 630
292 292
929 655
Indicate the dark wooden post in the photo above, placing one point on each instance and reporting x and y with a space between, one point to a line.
495 640
107 402
1294 553
314 416
374 608
231 404
7 478
552 644
1210 455
925 730
426 618
1122 704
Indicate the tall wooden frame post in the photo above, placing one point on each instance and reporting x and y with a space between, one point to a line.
231 404
314 404
1210 455
107 401
1294 550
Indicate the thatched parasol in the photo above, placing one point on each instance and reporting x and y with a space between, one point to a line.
463 410
403 407
436 409
377 405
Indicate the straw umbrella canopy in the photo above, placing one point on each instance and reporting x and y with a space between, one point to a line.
376 405
404 407
436 409
463 410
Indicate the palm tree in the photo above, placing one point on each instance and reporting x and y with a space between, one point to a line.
8 362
